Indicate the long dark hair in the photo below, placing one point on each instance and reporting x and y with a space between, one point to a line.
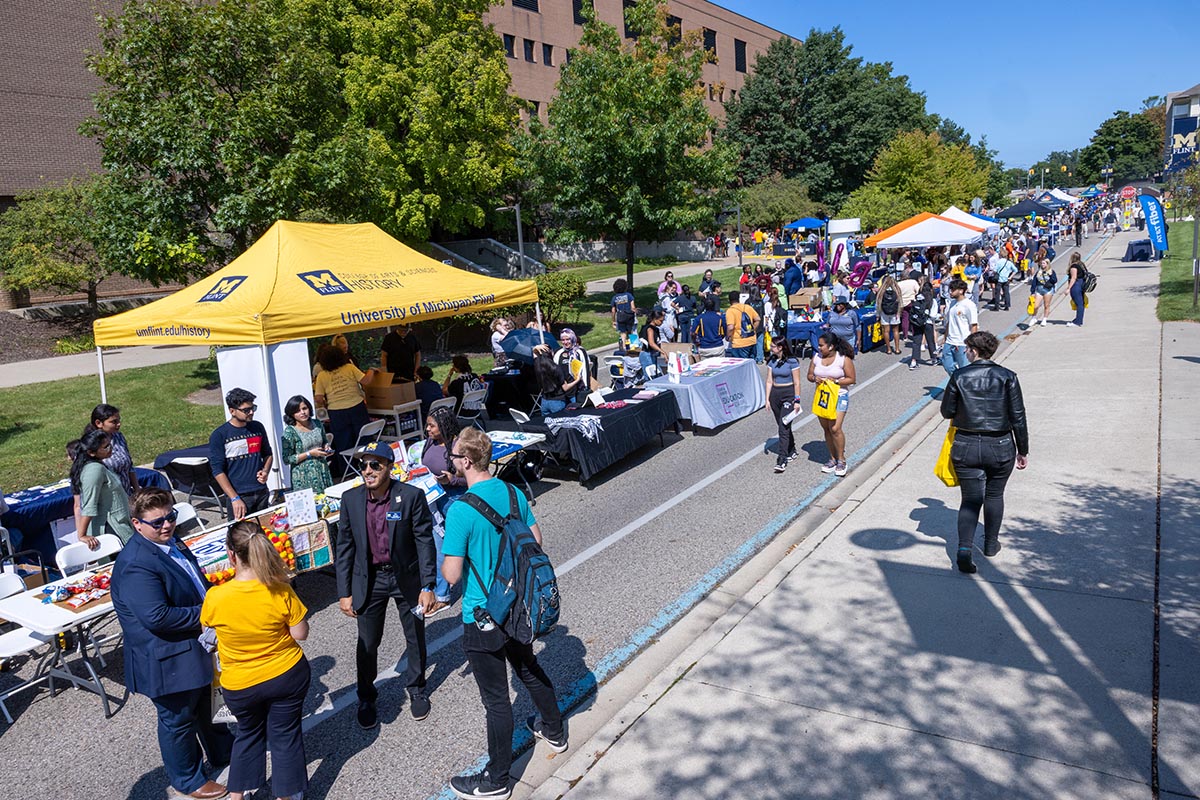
101 413
839 345
447 423
89 444
546 372
293 405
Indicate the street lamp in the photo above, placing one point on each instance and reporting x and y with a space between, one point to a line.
1107 172
520 239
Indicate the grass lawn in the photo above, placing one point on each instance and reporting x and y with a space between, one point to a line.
614 269
37 421
1175 281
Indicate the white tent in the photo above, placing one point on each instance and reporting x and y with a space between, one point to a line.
927 230
958 215
1064 196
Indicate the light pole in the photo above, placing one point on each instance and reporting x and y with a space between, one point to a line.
1107 173
520 239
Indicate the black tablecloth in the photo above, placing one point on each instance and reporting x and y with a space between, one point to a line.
508 390
199 451
29 522
624 431
1139 250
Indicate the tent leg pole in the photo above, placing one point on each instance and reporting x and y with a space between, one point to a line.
537 308
100 368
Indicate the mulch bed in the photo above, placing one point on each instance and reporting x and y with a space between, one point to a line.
25 340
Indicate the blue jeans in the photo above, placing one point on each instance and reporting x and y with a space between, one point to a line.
184 725
552 406
1078 298
741 352
758 349
953 357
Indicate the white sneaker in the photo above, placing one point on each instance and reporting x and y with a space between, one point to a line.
1074 325
1045 322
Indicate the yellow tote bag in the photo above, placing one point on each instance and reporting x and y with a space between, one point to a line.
1031 308
825 400
1085 303
944 468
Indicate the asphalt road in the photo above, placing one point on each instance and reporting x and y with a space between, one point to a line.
633 552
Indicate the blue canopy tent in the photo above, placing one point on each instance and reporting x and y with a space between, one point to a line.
988 220
806 223
1050 201
1092 191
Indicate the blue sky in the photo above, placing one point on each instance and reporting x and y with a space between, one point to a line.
1032 77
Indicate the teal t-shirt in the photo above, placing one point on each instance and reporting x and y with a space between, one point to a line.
469 534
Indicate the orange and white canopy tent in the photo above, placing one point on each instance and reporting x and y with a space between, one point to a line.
926 230
304 279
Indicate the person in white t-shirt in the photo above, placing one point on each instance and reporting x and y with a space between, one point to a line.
962 319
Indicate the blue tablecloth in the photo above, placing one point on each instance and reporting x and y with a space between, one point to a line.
30 514
809 331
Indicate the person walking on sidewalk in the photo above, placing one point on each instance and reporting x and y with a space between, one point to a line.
962 319
922 315
1042 284
1076 281
471 537
834 361
984 401
783 395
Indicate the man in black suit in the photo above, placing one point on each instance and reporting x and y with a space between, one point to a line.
385 550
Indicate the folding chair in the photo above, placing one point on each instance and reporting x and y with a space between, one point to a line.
187 514
474 408
445 402
76 557
367 433
18 642
193 475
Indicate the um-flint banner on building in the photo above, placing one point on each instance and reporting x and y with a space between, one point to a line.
1183 143
1155 223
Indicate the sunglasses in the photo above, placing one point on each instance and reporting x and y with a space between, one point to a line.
247 409
157 524
373 466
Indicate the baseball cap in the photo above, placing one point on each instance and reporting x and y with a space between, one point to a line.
380 450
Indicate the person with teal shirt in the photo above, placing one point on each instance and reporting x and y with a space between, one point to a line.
471 538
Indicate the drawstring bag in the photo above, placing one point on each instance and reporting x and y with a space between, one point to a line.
825 400
944 468
1031 309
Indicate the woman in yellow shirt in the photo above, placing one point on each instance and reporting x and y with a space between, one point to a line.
338 388
259 621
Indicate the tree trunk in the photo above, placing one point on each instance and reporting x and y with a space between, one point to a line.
93 297
629 240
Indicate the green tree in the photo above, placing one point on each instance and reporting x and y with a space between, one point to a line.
46 241
1129 143
625 154
817 113
777 200
930 174
877 207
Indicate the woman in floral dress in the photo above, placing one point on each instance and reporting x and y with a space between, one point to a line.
304 447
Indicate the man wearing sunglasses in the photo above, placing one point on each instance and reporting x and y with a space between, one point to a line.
239 455
385 552
157 590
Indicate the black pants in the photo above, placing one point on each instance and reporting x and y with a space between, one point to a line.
487 654
184 726
268 715
926 332
983 463
1001 297
384 587
781 405
345 424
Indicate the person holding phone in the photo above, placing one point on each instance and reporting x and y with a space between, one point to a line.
304 447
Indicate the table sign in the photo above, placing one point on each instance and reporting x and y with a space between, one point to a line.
301 507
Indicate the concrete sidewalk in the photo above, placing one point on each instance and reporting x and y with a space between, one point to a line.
44 370
653 277
865 665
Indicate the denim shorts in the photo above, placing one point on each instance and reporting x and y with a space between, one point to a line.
843 401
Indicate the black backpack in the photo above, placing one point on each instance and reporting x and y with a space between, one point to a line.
523 598
890 302
1088 278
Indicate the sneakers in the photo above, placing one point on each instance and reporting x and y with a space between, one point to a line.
991 547
840 469
558 744
1045 322
912 365
1074 325
780 465
792 456
829 466
367 716
478 785
418 704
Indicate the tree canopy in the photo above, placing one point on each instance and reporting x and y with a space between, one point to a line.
877 207
815 112
625 154
932 175
1130 143
777 200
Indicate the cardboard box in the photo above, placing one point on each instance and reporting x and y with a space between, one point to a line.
382 393
804 298
680 347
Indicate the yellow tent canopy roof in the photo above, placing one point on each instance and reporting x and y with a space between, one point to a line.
305 279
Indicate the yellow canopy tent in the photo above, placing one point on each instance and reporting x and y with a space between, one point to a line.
304 279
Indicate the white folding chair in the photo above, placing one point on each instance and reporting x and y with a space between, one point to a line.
187 514
474 408
401 416
76 557
367 433
18 642
445 402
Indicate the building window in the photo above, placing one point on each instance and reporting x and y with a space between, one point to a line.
535 109
548 55
710 41
732 95
510 44
739 55
676 35
529 51
711 97
528 5
577 8
630 33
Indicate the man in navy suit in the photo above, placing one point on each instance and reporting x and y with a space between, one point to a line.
385 552
157 591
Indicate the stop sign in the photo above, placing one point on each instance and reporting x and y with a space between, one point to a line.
1128 193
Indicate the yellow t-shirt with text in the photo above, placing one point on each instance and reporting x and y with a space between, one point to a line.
340 387
252 624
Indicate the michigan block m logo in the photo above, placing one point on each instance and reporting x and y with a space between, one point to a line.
323 282
223 288
1183 141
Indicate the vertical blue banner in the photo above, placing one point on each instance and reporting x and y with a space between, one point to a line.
1155 224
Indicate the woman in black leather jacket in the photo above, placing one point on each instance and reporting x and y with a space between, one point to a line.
984 401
